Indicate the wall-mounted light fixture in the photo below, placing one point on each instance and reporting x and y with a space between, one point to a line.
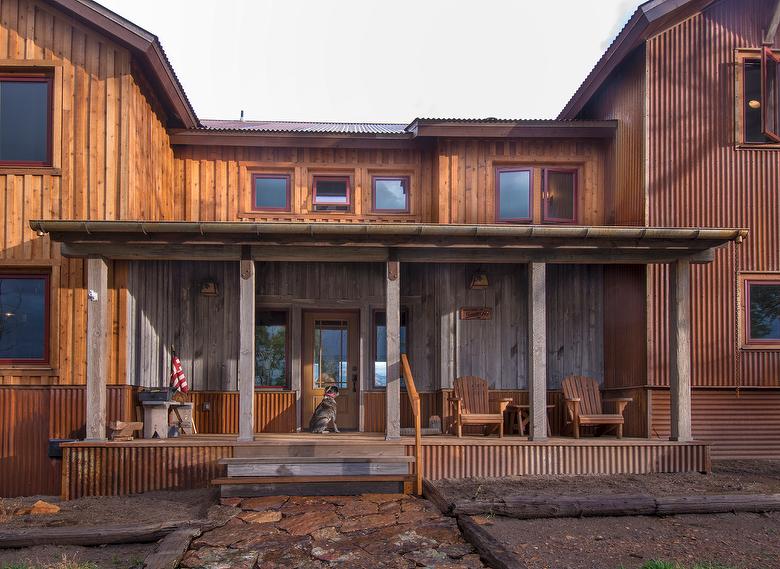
209 288
479 280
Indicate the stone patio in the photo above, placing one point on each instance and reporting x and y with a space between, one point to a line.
372 530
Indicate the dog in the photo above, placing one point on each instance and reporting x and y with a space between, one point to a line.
325 413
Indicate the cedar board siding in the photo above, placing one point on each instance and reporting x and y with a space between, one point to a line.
691 155
112 161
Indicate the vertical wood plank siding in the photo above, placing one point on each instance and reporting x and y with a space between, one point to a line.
698 178
625 326
29 417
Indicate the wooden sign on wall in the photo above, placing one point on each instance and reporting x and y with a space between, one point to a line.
476 313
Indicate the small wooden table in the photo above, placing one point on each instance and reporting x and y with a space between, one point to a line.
520 415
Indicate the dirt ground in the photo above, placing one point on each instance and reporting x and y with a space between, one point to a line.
728 477
742 541
130 556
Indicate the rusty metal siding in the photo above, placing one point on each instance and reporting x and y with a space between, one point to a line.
117 469
747 426
564 458
274 411
697 177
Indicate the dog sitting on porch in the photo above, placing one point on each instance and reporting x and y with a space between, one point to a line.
325 413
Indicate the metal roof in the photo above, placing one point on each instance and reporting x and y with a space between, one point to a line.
304 127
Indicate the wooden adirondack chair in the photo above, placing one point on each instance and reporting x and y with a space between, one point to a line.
471 406
584 405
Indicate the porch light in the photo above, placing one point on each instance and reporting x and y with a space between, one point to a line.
754 104
479 281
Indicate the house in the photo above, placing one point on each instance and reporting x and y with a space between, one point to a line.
633 240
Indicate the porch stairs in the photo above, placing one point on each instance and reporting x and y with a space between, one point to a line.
317 468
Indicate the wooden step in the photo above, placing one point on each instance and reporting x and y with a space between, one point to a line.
317 466
313 485
325 448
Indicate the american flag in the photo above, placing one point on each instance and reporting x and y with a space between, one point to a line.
178 379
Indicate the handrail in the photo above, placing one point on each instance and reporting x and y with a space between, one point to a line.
414 399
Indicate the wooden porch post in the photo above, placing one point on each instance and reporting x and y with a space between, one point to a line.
537 351
97 358
393 329
680 349
246 357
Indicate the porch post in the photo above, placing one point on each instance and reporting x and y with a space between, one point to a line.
393 330
97 368
246 357
537 351
680 349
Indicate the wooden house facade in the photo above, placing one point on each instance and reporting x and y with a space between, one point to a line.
618 242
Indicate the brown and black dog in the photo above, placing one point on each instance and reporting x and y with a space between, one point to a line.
325 413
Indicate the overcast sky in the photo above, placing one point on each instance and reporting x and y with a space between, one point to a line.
380 61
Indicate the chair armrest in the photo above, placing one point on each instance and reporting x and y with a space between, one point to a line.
503 404
454 399
619 400
507 399
577 399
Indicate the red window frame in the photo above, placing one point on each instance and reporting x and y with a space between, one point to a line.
770 61
288 184
750 341
46 277
545 196
530 217
348 204
287 351
21 78
376 209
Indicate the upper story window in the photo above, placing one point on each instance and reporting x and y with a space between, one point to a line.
24 319
331 193
25 120
759 98
762 310
513 190
272 192
271 348
391 194
560 196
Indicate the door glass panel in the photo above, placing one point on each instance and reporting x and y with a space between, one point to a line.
331 341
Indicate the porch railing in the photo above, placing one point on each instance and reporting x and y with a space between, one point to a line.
414 399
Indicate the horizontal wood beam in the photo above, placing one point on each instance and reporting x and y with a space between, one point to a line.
290 140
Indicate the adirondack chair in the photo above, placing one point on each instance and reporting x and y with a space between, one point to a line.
471 406
584 405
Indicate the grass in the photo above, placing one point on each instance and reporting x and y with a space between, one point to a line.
669 565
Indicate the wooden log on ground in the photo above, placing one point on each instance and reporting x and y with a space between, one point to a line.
171 549
717 504
493 552
437 498
530 507
87 535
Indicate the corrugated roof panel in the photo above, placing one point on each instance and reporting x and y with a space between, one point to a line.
301 127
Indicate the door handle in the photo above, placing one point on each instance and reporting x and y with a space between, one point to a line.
354 383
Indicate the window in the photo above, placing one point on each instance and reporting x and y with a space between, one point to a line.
331 193
762 311
560 196
25 120
271 348
760 98
391 193
513 187
24 319
770 94
271 192
380 345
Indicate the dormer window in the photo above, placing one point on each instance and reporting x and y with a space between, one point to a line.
25 120
331 194
759 98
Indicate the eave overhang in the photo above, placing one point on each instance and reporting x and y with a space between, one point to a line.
497 128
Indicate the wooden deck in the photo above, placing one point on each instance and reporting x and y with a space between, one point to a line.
115 468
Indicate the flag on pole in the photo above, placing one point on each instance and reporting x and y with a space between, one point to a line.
178 379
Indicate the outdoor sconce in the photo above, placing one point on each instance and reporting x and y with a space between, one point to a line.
205 406
754 104
209 288
479 281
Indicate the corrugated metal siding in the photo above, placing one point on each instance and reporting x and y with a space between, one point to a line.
274 412
496 460
697 177
126 469
747 426
374 417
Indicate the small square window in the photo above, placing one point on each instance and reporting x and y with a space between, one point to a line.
271 192
513 188
24 319
331 193
762 311
391 194
25 120
271 349
560 196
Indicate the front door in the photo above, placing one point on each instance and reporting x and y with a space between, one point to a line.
331 357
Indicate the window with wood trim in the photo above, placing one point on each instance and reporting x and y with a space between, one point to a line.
758 97
271 349
25 120
559 195
24 319
762 311
271 192
331 194
380 345
390 194
514 194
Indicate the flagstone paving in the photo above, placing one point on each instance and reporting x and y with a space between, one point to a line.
371 531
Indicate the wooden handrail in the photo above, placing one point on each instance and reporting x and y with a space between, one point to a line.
414 399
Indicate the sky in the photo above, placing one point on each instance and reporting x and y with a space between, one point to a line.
379 61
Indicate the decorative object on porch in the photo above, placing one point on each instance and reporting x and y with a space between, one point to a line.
476 313
584 405
471 406
123 430
479 280
209 288
178 379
